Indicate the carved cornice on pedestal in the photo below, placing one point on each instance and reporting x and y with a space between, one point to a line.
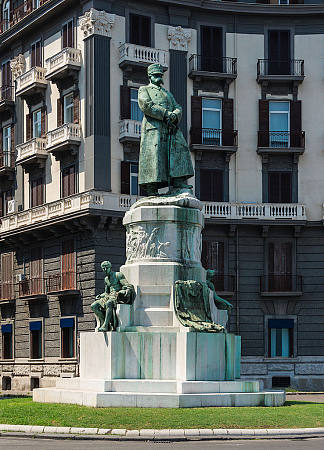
17 65
96 22
179 38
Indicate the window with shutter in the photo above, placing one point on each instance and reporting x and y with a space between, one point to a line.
36 271
37 123
68 181
36 54
6 86
68 35
7 276
125 102
280 187
68 108
280 277
279 52
211 121
125 177
36 192
7 341
140 30
68 265
211 49
212 185
279 124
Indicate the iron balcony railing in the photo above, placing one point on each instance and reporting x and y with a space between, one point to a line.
201 63
61 282
7 159
281 282
281 139
224 283
6 93
214 136
31 286
7 291
293 67
17 14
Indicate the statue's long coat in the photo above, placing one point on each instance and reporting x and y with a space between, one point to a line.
155 165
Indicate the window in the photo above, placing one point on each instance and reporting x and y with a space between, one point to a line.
68 266
7 341
136 112
36 271
279 53
6 15
213 257
37 123
68 181
211 49
36 339
134 179
283 2
67 35
212 121
36 54
279 122
140 30
281 338
36 4
7 292
37 192
280 187
67 325
6 85
280 266
6 146
212 185
68 108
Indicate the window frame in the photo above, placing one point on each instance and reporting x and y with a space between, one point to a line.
280 240
132 101
63 168
267 349
36 122
290 172
34 179
68 108
12 323
42 346
74 339
66 23
128 12
74 263
219 110
279 113
131 176
34 43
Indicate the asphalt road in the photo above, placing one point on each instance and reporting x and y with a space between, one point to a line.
51 444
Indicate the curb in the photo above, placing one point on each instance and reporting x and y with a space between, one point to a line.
157 435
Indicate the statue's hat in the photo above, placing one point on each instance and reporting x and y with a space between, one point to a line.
154 68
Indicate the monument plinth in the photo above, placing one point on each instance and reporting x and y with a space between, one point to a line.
169 347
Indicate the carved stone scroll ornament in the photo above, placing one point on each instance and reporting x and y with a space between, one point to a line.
192 306
17 65
96 22
141 244
179 38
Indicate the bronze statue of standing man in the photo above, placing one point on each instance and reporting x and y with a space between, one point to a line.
164 154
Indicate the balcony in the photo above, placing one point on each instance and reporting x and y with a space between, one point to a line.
32 152
281 142
64 64
212 139
129 131
7 166
212 68
132 55
64 138
32 82
78 204
280 71
281 285
7 292
256 211
62 284
6 99
20 12
33 288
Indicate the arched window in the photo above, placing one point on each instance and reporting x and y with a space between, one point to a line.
6 14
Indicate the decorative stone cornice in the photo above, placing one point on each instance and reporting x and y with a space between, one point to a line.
179 38
17 66
96 22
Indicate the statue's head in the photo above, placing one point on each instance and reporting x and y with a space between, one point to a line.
210 274
155 74
106 266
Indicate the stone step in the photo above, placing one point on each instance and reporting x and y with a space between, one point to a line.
157 400
153 316
158 386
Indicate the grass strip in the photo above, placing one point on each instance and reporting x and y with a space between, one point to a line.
22 411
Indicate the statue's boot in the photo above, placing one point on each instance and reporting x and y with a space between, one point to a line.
181 183
152 189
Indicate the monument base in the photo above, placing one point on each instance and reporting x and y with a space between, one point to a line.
171 369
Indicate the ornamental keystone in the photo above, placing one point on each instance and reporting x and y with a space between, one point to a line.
179 38
96 22
17 65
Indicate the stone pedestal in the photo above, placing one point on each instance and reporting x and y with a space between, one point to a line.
153 360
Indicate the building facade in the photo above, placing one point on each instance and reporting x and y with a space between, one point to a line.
250 78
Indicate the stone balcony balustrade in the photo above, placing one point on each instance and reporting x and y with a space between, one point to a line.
129 130
31 152
137 55
65 137
63 63
260 211
31 82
